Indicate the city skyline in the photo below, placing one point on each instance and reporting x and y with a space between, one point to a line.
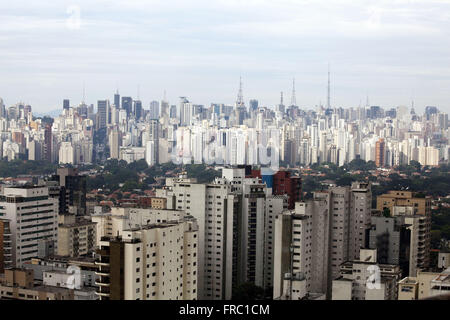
393 52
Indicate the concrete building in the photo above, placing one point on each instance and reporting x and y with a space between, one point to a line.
18 284
320 235
5 245
427 284
215 207
113 223
68 280
76 237
235 216
365 279
417 212
155 262
32 215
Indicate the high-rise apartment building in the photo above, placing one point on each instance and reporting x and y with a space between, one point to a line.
153 262
320 235
32 215
76 237
236 223
47 152
102 113
380 150
127 105
417 212
214 206
5 245
72 190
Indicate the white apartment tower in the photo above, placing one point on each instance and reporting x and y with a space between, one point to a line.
321 234
159 262
33 216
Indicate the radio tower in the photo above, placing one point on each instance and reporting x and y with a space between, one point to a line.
328 96
293 98
240 97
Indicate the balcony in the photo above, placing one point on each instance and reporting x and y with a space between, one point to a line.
102 284
101 294
102 263
102 273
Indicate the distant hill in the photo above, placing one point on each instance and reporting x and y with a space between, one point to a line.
53 113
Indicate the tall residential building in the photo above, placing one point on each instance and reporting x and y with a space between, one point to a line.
154 110
322 233
66 104
380 150
32 215
72 190
253 105
153 262
102 113
152 144
5 245
214 207
47 152
127 105
76 237
114 222
117 100
137 109
236 218
114 143
417 212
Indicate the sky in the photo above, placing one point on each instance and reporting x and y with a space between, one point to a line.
391 51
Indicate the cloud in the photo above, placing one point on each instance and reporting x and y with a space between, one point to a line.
193 45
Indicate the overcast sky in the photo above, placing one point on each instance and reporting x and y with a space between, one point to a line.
393 51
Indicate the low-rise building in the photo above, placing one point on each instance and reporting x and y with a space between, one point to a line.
365 279
18 284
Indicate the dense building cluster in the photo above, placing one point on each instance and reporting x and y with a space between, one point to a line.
252 225
226 135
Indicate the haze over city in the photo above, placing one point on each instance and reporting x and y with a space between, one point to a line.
391 51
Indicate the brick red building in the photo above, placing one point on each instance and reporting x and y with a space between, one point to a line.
282 183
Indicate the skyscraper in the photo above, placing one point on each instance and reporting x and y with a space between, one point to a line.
380 149
117 99
102 113
28 223
66 104
48 142
127 104
137 109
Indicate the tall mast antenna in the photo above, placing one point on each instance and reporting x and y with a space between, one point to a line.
293 98
328 95
240 97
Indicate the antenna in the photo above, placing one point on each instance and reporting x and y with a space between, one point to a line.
281 99
293 98
328 95
240 97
